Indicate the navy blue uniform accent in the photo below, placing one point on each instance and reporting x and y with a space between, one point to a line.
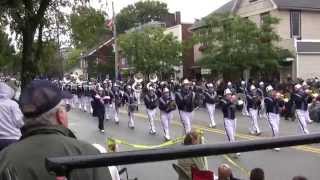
151 101
185 100
228 109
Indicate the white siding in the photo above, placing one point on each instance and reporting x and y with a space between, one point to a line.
310 25
308 65
176 31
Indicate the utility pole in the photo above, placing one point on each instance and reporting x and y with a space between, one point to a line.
116 55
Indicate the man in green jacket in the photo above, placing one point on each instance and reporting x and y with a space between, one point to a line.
45 134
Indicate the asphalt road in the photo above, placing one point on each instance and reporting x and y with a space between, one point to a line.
302 160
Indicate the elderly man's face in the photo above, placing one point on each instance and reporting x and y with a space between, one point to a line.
62 115
224 172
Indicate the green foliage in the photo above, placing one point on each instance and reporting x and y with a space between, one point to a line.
139 13
151 50
233 44
50 63
88 27
72 59
8 59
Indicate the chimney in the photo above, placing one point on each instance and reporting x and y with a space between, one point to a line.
178 17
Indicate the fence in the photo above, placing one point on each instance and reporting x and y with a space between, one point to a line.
62 166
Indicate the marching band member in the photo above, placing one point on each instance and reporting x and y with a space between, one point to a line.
67 87
131 101
151 102
243 90
261 93
185 101
74 100
254 103
210 100
273 103
117 101
306 89
108 101
228 109
79 93
137 92
82 98
98 108
231 88
301 100
166 105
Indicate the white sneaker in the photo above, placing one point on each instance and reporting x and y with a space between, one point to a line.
238 154
212 125
277 149
102 130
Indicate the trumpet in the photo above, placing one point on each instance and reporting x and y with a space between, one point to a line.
315 95
282 97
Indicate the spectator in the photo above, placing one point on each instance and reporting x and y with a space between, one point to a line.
10 117
299 178
225 173
192 138
45 134
257 174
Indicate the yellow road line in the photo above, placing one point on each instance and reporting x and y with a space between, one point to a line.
239 135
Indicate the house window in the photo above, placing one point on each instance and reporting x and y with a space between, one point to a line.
263 16
295 23
123 61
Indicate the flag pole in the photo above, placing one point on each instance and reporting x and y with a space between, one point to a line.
115 45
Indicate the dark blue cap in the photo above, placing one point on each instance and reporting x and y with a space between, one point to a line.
40 96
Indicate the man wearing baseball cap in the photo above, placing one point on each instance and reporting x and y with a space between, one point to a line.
45 134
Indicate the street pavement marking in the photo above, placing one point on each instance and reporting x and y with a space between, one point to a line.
239 135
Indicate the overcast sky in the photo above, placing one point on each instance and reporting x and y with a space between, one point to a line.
190 9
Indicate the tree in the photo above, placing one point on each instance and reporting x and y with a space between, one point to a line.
151 50
232 44
72 59
87 27
28 18
139 13
8 58
25 17
51 66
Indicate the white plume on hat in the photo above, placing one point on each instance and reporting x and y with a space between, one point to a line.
210 85
227 91
252 87
185 81
297 86
269 88
165 90
151 88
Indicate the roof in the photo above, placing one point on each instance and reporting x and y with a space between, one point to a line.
226 8
105 43
308 47
298 4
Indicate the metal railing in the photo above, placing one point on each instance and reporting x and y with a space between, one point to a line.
62 166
